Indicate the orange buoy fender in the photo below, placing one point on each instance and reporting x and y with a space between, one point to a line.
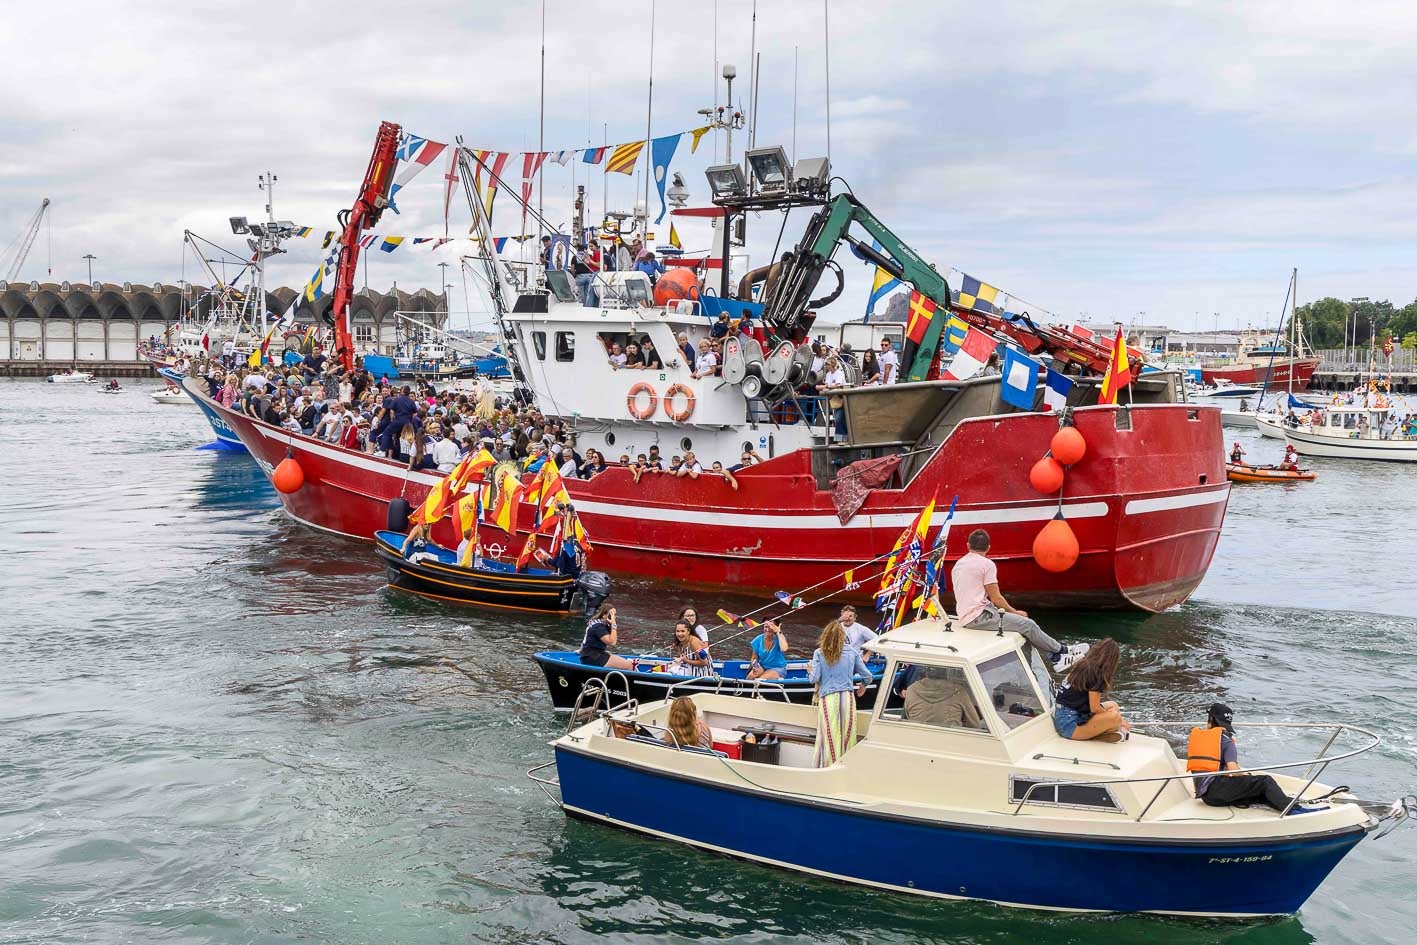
678 416
1056 547
632 401
1046 475
1068 446
677 283
288 476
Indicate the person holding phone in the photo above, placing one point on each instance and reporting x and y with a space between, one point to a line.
600 635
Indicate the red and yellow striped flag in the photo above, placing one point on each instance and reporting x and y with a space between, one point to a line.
622 161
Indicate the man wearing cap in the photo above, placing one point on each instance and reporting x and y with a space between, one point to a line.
1212 748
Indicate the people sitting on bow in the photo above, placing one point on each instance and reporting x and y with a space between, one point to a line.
601 634
769 653
1212 749
417 539
691 655
1082 713
685 729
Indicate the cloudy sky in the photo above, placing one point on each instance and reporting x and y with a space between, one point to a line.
1098 159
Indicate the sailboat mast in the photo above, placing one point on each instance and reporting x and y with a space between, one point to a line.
541 134
649 125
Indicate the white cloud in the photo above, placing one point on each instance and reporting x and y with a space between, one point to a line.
1143 155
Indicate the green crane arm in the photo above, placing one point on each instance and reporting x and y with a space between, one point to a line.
828 229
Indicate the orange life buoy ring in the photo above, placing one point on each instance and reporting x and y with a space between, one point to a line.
679 416
632 399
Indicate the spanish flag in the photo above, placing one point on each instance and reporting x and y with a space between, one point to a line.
622 160
1119 371
471 469
509 497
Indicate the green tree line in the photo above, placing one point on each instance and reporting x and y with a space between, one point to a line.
1324 323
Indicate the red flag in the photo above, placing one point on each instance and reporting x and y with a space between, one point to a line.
922 311
972 355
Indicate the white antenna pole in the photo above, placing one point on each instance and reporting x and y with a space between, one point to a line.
752 81
649 122
794 104
827 46
715 79
540 138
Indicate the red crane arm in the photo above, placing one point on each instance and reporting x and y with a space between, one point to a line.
373 198
1055 340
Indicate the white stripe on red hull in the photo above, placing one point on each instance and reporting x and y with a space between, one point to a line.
1146 504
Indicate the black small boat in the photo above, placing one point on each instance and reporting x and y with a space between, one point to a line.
651 681
433 572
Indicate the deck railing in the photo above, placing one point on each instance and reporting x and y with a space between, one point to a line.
1316 765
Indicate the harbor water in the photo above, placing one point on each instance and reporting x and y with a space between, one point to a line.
217 725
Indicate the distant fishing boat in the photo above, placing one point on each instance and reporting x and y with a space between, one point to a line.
984 801
1347 432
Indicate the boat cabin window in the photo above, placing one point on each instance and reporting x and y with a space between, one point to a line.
1088 796
560 282
565 346
933 695
1010 689
538 342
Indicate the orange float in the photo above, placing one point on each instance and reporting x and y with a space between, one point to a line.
676 284
1046 475
678 416
1068 446
1056 547
288 476
632 401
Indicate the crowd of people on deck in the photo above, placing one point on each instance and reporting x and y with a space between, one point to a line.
425 428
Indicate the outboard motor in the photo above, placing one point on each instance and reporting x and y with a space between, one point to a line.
594 588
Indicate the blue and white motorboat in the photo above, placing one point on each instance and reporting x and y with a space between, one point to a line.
195 388
655 675
983 800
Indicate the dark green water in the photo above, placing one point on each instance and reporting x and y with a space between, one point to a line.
217 726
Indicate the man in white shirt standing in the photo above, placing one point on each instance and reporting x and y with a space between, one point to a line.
228 352
890 364
857 635
981 606
445 451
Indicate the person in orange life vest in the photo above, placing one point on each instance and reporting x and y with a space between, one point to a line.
1212 748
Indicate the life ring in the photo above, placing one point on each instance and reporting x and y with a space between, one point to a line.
632 399
678 416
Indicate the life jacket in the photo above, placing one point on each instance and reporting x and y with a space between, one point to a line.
1203 749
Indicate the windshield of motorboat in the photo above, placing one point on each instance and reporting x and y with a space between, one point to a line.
1011 689
939 696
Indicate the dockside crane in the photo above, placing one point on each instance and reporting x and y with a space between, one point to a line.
19 249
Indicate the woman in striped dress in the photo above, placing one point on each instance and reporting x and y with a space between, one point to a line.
833 668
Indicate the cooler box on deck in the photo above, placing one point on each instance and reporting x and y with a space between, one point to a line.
732 749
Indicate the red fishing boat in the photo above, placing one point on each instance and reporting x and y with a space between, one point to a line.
842 474
1285 364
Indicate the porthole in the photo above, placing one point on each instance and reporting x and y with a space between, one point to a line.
609 439
686 444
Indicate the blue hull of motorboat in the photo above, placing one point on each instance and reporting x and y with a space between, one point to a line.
226 438
1013 867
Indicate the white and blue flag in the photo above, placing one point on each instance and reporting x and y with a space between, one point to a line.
1020 381
1055 395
